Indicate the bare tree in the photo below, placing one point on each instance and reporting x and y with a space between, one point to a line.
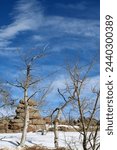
58 115
5 96
87 109
25 85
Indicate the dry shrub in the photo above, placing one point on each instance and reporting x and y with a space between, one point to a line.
42 148
37 148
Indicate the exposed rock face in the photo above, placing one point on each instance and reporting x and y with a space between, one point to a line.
16 125
4 125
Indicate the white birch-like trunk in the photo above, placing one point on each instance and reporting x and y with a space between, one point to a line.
56 134
26 120
56 129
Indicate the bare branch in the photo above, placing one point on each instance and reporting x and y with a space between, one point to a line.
94 109
34 82
20 83
62 95
31 96
15 85
38 56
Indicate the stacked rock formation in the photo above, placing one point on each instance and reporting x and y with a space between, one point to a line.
36 123
4 125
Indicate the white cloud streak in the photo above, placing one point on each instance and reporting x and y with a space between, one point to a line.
28 16
88 28
79 6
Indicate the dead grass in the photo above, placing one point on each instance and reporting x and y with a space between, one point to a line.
37 148
42 148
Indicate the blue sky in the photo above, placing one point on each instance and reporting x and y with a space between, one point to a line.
70 28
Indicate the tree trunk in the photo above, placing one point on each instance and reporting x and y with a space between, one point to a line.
84 143
56 128
26 120
56 134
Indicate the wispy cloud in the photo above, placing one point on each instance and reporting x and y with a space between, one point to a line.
64 32
28 16
90 84
38 38
4 111
4 42
79 6
8 51
62 25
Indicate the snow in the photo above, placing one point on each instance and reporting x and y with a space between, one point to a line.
68 126
10 139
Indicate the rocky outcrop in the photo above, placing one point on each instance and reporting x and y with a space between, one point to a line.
4 125
36 123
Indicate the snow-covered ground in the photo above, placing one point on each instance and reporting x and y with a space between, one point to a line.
9 140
